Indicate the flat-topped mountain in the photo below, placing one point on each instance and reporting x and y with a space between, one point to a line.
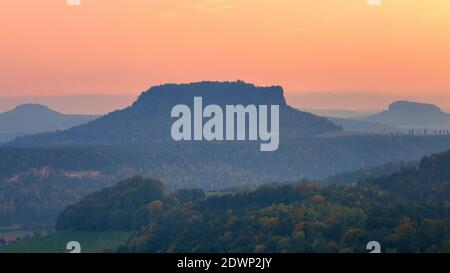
220 93
27 119
149 118
405 114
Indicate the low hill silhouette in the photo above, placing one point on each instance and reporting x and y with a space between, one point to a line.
28 119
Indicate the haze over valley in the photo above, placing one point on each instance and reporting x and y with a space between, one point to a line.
136 140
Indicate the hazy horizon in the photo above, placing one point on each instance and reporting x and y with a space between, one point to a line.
89 104
99 104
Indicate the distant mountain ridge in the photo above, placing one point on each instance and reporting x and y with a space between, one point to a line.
408 115
401 117
82 104
148 119
27 119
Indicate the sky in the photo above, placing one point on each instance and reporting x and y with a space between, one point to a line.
388 48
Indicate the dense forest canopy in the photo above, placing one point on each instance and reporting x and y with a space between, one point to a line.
122 207
407 211
28 175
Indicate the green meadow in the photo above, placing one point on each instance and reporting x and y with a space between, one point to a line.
90 241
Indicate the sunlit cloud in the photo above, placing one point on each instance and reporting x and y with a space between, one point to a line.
374 2
73 2
215 5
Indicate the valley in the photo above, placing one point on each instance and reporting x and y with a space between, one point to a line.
42 175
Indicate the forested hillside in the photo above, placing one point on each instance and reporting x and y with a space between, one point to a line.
28 175
34 198
408 211
122 207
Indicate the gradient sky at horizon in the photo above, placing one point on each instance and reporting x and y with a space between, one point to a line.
398 49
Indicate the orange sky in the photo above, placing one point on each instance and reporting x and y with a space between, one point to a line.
400 48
